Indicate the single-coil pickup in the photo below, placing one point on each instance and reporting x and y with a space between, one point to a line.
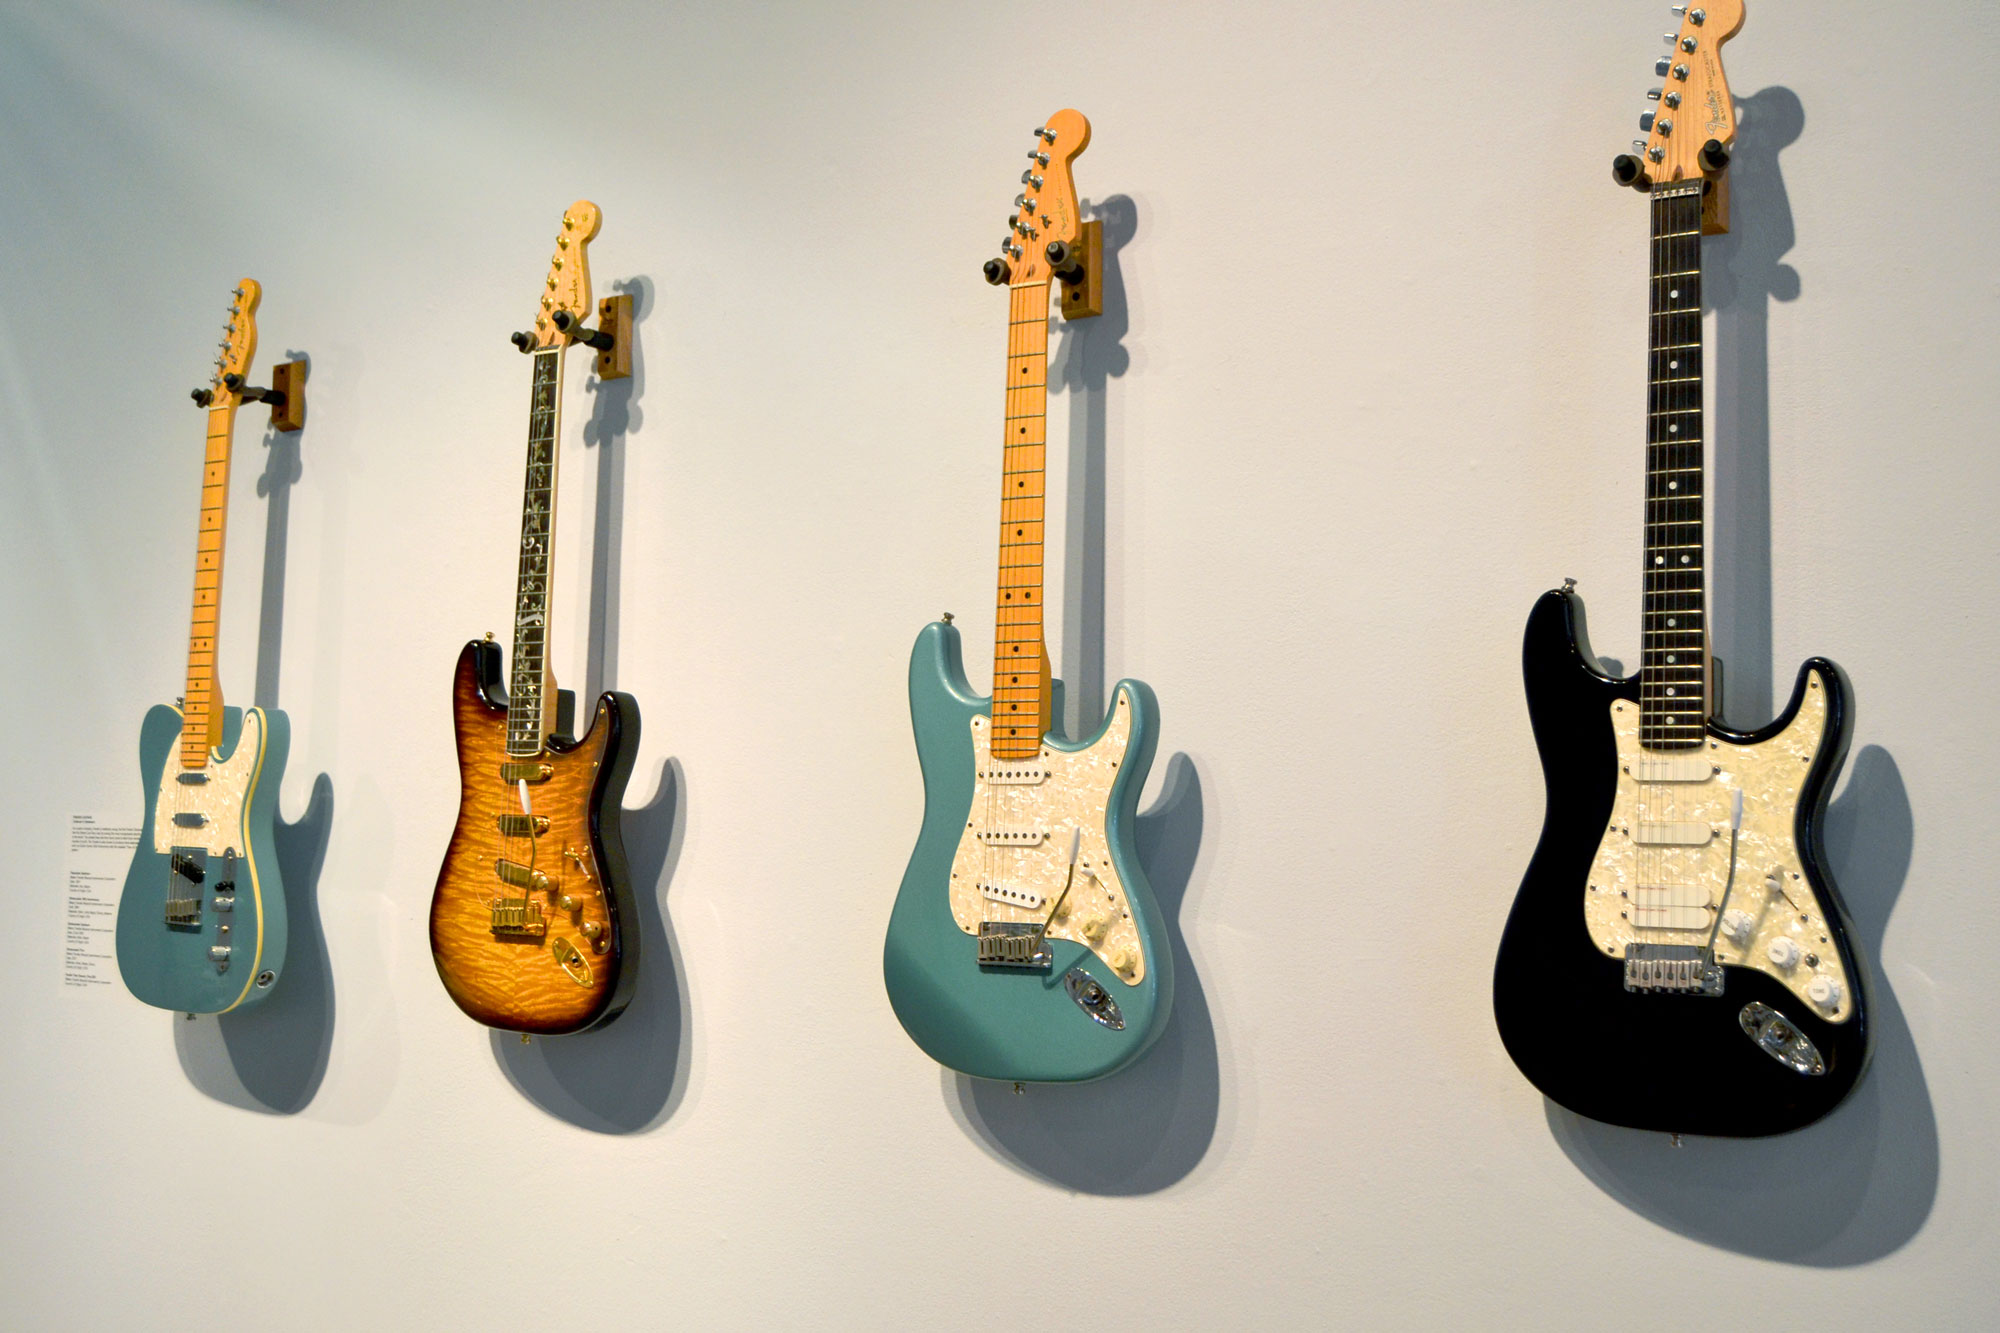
1682 768
1012 837
522 826
189 819
520 876
1681 907
1001 893
1003 774
520 918
184 911
513 773
1684 834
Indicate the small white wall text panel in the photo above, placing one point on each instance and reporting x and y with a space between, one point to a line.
100 852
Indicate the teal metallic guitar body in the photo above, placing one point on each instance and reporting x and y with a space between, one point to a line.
201 923
993 857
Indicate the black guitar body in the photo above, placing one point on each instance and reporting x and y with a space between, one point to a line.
1680 1063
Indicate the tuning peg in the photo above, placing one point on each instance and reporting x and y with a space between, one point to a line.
1653 94
1025 204
1698 16
1030 178
1046 134
1662 65
1638 145
1040 159
1646 122
996 272
1012 249
570 324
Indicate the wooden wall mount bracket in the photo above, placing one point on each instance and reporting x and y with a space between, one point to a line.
289 379
1715 205
614 316
1083 286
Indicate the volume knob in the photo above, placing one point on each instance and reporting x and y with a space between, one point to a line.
1736 924
1784 952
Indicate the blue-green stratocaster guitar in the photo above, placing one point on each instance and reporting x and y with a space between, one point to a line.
201 924
1025 944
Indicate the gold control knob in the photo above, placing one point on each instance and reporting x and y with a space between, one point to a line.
591 930
569 904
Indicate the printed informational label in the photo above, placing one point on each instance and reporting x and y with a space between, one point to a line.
100 852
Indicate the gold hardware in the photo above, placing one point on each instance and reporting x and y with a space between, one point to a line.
583 866
513 773
571 961
520 918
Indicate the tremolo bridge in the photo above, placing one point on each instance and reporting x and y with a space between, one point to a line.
519 918
1013 944
1682 969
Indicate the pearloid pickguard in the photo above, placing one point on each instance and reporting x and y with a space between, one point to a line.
1076 794
1772 777
222 799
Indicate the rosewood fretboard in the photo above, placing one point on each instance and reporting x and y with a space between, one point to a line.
1673 673
528 720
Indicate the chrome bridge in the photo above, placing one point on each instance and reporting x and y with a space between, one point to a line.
1681 969
186 869
1013 944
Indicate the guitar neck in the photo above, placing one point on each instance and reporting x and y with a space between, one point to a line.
1673 673
201 704
530 692
1021 685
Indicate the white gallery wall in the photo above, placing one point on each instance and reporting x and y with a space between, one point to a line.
1370 379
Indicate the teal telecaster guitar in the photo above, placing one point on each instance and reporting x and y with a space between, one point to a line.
201 924
1025 944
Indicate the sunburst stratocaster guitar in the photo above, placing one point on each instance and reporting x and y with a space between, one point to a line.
532 923
201 922
1677 958
1025 944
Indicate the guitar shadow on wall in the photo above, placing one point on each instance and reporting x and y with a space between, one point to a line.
1148 1126
1860 1183
271 1056
630 1075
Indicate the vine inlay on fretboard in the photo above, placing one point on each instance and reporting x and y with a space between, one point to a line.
528 721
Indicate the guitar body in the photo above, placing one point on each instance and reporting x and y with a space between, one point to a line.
1680 1062
1026 1024
510 953
205 874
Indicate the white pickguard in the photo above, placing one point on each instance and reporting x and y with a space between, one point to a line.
994 849
1659 872
222 800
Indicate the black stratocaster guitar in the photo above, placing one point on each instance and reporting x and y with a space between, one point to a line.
1677 958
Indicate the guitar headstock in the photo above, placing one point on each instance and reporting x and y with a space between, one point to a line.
567 287
1693 125
239 341
1043 229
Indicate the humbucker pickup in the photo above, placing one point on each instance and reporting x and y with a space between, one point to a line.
1012 837
1002 893
522 826
512 773
1678 968
519 917
189 819
520 876
1013 944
